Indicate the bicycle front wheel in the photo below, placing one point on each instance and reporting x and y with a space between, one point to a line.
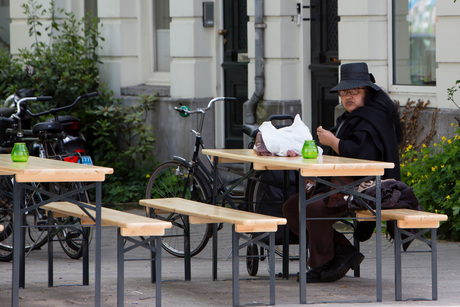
36 236
72 235
172 179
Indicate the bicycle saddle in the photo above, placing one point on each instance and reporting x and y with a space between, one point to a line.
48 127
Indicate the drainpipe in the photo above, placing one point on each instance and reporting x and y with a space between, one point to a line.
259 79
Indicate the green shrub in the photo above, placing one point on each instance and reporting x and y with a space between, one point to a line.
131 164
65 61
434 173
65 57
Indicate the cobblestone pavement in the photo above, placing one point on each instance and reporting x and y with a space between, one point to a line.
202 291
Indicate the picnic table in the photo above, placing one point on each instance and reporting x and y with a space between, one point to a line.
48 170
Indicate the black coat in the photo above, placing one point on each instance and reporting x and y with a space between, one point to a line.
394 194
367 133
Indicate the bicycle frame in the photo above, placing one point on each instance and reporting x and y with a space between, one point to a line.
208 170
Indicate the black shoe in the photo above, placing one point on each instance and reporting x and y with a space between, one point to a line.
314 275
346 258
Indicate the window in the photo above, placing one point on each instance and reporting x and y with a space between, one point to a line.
91 6
414 45
4 24
161 22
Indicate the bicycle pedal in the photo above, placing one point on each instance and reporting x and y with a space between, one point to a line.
72 235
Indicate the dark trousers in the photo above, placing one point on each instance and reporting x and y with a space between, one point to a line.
321 235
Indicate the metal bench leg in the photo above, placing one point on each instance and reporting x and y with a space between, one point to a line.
357 272
398 269
158 271
271 255
120 270
285 252
434 265
398 252
235 267
85 252
153 262
50 250
187 256
214 251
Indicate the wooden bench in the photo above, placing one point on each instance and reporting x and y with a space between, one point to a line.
411 219
241 221
129 225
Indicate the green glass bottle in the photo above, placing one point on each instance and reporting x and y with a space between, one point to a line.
309 150
20 153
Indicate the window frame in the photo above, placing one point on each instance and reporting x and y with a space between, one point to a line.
397 88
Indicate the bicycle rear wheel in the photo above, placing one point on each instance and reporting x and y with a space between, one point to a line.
265 195
172 179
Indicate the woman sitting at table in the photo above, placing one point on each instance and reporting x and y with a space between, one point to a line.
368 129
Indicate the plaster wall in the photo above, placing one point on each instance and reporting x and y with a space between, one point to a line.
447 51
282 43
194 51
19 30
124 35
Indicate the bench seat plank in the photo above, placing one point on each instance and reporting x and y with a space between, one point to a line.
201 213
129 224
408 218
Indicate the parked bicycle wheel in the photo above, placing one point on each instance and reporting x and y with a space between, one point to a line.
6 220
35 237
71 237
265 194
172 179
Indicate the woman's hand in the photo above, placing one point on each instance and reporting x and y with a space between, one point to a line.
327 138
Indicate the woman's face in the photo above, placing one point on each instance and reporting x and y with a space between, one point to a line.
352 99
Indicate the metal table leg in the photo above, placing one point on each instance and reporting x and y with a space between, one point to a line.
97 283
378 221
18 241
302 242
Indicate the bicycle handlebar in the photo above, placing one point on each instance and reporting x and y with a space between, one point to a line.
25 99
20 107
55 110
203 110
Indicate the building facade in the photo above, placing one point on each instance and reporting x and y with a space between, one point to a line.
274 56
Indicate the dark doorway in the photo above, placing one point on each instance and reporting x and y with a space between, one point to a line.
235 68
324 61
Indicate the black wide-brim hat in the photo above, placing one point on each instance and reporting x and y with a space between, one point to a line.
354 75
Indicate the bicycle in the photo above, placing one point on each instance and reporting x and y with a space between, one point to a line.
191 179
194 179
46 141
35 237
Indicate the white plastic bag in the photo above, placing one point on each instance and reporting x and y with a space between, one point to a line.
286 141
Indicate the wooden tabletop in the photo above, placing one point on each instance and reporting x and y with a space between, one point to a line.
48 170
321 166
